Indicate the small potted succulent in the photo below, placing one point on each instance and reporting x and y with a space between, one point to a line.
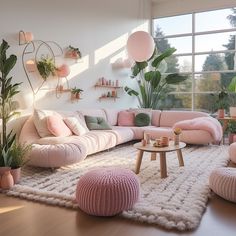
73 52
46 67
75 93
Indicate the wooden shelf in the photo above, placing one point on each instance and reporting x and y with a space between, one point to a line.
108 98
108 86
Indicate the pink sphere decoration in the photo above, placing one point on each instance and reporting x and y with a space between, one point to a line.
140 46
63 70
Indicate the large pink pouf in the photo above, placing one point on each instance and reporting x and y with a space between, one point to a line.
223 182
232 152
107 191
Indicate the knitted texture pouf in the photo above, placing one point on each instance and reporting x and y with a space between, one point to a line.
223 182
232 152
107 191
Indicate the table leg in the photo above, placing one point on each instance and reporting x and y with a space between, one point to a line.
180 157
138 161
153 156
163 165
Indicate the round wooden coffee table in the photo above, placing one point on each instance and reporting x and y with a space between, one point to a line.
162 151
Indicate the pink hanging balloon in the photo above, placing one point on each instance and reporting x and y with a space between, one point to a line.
140 46
63 70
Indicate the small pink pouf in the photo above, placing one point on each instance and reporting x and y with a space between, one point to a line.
232 152
107 191
223 182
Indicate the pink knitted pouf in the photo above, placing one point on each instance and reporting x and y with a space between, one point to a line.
232 152
107 191
223 182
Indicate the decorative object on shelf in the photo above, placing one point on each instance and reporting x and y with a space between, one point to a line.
25 37
151 83
140 46
46 67
31 65
62 71
177 131
75 93
73 53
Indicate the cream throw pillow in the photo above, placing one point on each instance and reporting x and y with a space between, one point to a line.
40 121
74 124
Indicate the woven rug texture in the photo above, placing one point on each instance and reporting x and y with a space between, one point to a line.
176 202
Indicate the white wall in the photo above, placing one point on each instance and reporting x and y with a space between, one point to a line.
99 28
176 7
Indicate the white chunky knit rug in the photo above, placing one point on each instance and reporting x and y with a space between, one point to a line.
176 202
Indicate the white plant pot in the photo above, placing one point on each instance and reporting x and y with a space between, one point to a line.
232 112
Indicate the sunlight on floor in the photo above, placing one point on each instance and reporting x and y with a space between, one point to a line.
8 209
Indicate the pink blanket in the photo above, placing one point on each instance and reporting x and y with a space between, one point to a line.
208 124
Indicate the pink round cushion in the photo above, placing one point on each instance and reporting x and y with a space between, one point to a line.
223 182
107 191
232 152
57 126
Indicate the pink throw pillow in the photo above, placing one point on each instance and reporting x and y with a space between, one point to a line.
57 126
126 118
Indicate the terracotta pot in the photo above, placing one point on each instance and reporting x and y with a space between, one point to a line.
221 113
16 174
7 181
3 169
78 95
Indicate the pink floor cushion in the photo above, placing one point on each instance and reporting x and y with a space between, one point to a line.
232 152
223 182
107 191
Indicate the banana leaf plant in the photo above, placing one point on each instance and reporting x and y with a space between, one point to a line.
151 80
8 91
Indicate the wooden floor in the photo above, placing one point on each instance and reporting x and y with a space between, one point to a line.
25 218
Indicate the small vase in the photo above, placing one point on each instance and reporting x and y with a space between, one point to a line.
16 174
7 181
176 139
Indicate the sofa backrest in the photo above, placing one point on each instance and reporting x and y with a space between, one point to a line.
169 118
93 112
112 115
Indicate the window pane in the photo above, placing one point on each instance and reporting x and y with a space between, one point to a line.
176 101
179 64
215 62
173 25
181 44
204 102
213 20
211 82
215 42
185 86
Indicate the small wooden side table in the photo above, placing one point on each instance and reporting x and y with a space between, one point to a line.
226 121
162 151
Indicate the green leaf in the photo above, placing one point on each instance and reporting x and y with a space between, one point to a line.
232 85
141 65
160 58
130 91
143 95
9 64
135 70
153 77
175 78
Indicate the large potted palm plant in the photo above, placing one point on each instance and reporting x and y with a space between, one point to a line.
151 79
8 144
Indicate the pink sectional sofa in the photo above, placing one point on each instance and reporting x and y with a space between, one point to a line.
59 151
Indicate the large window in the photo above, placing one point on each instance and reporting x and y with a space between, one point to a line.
206 51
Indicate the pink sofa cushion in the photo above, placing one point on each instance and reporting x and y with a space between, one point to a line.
75 125
57 126
169 118
115 189
126 118
232 152
208 124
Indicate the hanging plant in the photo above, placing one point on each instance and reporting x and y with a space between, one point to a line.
46 67
73 52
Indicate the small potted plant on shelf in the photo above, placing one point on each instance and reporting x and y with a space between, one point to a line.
75 93
73 52
232 131
46 67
